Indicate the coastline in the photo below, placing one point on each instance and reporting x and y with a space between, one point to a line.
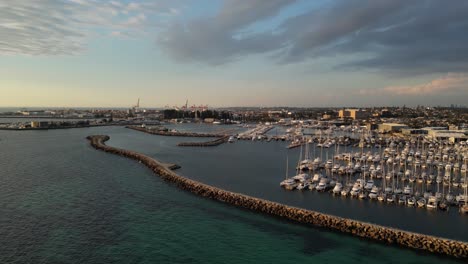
393 236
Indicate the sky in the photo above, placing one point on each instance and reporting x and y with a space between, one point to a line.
95 53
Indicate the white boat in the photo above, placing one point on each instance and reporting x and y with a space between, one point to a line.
411 201
369 185
323 185
338 188
303 186
374 192
382 197
391 198
407 190
345 191
421 202
302 177
357 188
231 139
432 203
316 177
288 183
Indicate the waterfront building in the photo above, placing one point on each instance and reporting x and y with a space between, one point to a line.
391 127
411 131
353 114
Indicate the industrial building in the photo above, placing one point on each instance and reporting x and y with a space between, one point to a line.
391 127
451 135
412 131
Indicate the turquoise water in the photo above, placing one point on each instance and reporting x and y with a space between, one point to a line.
64 202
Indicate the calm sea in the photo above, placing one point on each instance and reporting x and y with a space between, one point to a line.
63 202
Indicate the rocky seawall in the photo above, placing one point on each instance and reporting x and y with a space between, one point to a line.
211 143
174 133
383 234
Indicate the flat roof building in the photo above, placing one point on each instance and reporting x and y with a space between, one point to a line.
392 127
353 113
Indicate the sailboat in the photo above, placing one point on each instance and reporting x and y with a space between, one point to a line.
288 183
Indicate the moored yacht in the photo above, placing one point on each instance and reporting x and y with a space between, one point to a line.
432 203
323 185
338 188
421 202
289 184
407 190
303 186
374 192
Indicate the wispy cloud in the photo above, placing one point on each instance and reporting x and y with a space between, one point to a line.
54 27
449 84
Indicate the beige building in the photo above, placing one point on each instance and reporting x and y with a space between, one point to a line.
391 127
353 114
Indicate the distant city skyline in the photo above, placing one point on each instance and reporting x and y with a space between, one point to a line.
326 53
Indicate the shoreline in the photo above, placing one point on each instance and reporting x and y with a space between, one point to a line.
369 231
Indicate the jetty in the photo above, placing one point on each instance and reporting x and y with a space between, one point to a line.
211 143
167 132
256 133
392 236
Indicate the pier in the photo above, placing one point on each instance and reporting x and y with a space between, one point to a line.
256 133
458 249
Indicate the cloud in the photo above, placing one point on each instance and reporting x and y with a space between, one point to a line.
396 37
211 39
57 27
449 84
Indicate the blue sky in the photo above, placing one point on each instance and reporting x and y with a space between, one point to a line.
233 53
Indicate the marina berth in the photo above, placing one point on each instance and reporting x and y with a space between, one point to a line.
406 171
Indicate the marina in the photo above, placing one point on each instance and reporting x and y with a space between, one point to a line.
427 175
417 241
414 172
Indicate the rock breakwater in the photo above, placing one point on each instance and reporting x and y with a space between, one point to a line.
174 133
211 143
458 249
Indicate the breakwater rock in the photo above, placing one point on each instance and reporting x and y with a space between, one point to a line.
174 133
211 143
458 249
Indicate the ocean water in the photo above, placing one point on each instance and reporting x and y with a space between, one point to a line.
61 201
